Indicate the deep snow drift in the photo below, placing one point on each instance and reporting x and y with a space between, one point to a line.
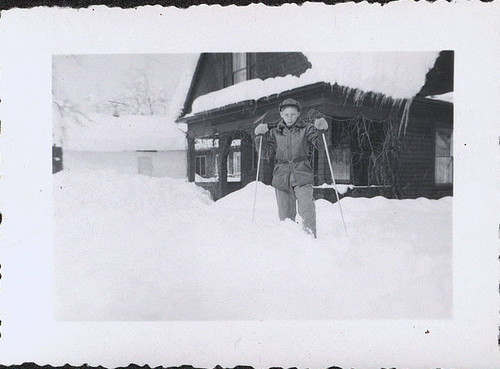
142 248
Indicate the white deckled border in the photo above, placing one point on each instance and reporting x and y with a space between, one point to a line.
29 38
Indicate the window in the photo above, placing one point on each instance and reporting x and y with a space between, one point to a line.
238 67
230 164
200 165
237 163
444 156
341 162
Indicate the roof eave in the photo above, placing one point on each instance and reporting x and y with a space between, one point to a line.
236 107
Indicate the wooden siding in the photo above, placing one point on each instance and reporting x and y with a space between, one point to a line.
209 77
416 161
270 65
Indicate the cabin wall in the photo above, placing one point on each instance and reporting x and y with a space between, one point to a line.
416 158
270 65
158 164
210 77
415 163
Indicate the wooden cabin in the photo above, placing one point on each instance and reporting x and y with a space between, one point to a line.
379 145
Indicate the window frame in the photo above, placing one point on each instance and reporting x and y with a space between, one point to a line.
236 163
229 72
204 157
344 148
436 156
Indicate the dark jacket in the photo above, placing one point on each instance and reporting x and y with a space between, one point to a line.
290 147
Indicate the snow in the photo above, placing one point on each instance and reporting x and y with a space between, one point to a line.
198 178
75 128
341 188
142 248
99 132
230 178
448 97
201 144
399 75
205 144
176 104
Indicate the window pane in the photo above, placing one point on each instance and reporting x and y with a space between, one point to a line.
239 67
239 61
197 165
237 163
444 169
443 143
341 163
200 165
240 76
444 158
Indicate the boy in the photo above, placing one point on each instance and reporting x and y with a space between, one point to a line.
293 174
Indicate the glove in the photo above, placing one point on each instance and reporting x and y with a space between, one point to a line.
261 129
321 125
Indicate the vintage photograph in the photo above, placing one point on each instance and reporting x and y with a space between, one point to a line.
296 186
253 186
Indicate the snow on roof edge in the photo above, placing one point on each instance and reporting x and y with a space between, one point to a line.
398 75
181 92
447 97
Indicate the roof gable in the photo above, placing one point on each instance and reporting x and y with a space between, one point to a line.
439 80
213 71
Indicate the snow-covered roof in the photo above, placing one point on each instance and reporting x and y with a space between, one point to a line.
74 130
399 75
100 132
178 99
448 97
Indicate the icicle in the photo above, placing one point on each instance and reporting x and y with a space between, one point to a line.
346 91
404 118
359 96
386 100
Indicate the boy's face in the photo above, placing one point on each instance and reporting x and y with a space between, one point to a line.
290 114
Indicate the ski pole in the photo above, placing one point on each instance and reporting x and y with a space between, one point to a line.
334 184
257 179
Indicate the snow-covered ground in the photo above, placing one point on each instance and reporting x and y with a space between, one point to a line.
131 247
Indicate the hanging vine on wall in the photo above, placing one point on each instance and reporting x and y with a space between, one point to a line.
373 144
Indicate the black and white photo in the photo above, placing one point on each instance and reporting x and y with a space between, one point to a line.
297 186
